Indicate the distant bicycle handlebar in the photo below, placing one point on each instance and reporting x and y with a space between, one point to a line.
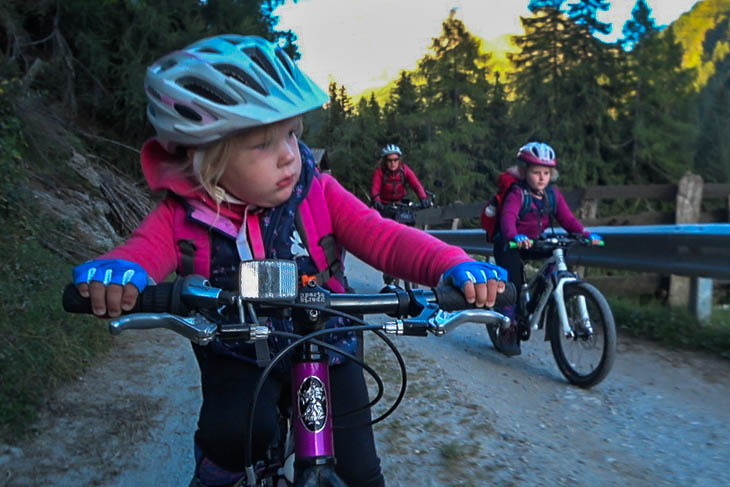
548 243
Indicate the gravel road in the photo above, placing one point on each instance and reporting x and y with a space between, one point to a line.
471 417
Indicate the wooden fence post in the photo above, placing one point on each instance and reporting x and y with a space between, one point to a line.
588 210
689 199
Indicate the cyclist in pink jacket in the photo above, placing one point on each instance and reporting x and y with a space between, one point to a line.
527 212
240 185
391 179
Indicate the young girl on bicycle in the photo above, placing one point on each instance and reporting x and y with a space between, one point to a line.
240 185
526 212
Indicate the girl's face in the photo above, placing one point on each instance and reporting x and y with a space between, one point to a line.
264 165
538 177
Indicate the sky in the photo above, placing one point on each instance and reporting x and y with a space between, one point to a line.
364 44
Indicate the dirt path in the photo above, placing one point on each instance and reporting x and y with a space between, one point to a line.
470 417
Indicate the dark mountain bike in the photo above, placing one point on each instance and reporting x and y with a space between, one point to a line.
304 453
576 317
404 212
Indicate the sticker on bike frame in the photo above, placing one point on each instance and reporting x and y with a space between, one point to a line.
312 401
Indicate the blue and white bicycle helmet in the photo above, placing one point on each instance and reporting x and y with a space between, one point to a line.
222 84
537 153
390 149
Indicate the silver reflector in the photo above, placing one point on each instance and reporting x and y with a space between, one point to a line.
268 280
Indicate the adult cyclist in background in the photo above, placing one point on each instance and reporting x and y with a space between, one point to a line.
391 177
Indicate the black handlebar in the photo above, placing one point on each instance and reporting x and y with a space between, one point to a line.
167 298
154 299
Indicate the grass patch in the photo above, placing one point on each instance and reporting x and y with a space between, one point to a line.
40 345
673 326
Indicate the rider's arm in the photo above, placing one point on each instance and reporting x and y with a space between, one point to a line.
384 244
510 213
414 183
152 245
565 217
377 182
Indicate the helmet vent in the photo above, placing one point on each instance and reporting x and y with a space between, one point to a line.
209 50
188 112
284 60
167 64
205 90
241 76
154 93
258 57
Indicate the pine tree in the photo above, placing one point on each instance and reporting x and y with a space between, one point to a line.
659 133
404 121
455 75
501 131
561 85
584 12
638 26
713 142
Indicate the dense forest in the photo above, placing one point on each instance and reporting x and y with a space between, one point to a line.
641 110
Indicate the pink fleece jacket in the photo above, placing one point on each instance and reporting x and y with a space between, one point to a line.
382 243
531 224
390 186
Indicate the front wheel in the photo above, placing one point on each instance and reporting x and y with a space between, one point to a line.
585 355
493 331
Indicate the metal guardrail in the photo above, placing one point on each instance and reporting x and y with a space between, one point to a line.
697 250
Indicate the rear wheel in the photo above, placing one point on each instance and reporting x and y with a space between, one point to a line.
585 355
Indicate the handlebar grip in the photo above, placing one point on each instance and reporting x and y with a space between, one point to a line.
513 245
451 299
154 299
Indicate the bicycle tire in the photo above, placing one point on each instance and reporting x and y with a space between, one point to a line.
493 332
569 352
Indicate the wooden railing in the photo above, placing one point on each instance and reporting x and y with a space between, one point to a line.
688 196
584 202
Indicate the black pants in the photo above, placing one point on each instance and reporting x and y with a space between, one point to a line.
511 260
228 386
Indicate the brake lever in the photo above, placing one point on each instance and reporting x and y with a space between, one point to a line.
418 325
196 328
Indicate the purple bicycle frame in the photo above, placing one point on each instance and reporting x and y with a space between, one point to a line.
311 415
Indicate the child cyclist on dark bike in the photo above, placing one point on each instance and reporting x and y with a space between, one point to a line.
527 211
240 185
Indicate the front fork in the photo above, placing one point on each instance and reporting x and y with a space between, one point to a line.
565 276
559 297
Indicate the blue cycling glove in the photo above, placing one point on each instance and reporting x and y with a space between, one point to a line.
475 272
111 271
520 238
595 236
